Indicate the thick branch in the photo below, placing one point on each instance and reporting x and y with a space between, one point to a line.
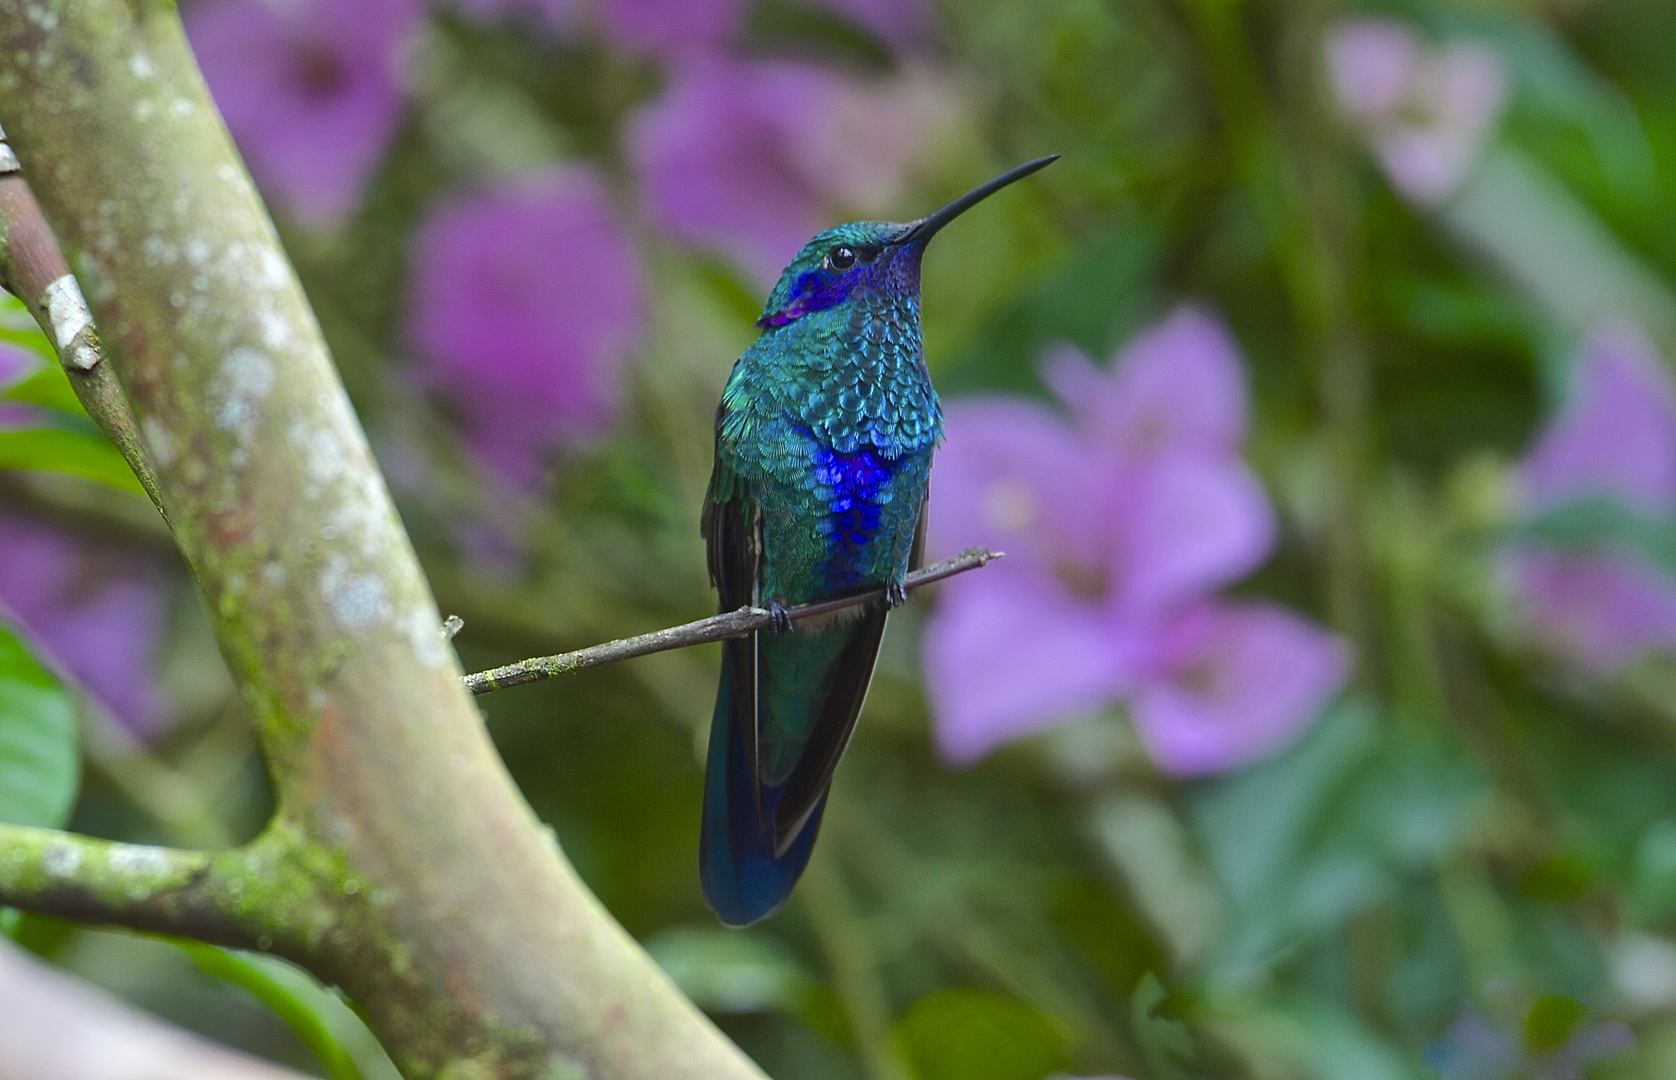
730 624
32 268
409 869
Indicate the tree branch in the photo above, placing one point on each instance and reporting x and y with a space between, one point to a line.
188 893
32 268
406 867
731 624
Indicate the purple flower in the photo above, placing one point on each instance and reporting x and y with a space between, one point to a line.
901 24
527 305
1228 683
671 27
97 613
1616 435
1615 438
555 14
1604 610
15 363
1474 1049
1426 112
309 90
1119 528
749 158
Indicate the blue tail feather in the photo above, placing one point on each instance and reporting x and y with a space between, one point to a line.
743 879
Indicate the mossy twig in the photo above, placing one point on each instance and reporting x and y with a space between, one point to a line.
730 624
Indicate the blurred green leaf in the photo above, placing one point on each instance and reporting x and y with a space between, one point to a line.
39 764
1551 1022
1338 1045
1559 878
48 387
730 971
1303 842
317 1016
1654 872
1592 524
966 1033
1165 1040
90 456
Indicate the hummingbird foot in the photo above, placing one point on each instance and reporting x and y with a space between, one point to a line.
779 617
896 594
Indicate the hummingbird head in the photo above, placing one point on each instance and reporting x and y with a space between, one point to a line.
869 257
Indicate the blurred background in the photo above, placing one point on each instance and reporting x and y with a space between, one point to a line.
1321 722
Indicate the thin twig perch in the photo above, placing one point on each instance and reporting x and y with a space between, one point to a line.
732 624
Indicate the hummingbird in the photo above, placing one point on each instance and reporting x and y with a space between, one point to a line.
824 438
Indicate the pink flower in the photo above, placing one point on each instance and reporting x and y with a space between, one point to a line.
671 27
527 305
1615 438
1616 435
1604 610
554 14
901 24
1228 683
15 363
95 612
750 158
309 90
1426 112
1119 529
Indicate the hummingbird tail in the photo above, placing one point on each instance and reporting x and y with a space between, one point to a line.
784 713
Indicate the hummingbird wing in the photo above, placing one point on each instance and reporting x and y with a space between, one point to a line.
839 661
745 875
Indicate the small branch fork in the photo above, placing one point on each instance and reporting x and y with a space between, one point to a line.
731 624
33 269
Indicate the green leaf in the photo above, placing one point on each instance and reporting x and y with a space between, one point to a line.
1592 524
1336 1043
90 456
39 765
1165 1040
318 1017
1551 1021
1303 842
48 387
965 1033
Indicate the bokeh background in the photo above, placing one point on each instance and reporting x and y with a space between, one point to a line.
1321 722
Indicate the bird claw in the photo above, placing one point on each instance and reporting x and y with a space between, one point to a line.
779 619
896 594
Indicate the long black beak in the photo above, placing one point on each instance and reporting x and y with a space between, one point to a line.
926 227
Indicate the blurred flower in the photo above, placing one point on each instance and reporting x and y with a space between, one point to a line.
15 363
309 90
901 24
1604 610
1119 527
1426 112
1615 438
1473 1049
556 14
750 157
97 613
527 304
670 27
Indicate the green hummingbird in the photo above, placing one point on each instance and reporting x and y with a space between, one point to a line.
824 439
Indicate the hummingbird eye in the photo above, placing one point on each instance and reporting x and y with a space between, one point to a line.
841 257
